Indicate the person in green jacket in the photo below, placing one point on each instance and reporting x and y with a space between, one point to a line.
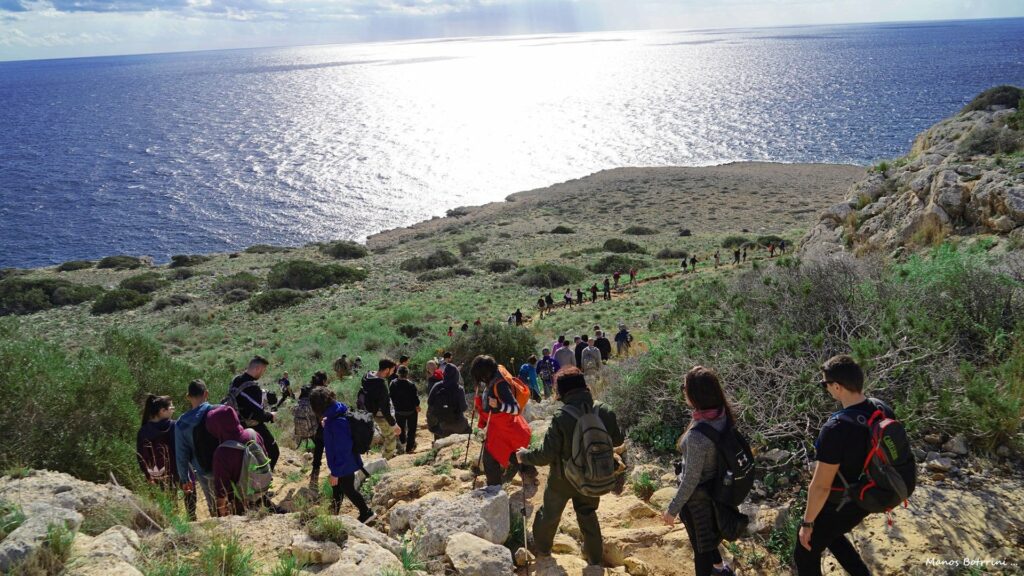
571 388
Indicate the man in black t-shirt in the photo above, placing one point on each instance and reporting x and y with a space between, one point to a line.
251 410
841 449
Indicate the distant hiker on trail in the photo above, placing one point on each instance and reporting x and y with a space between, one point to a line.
541 307
782 247
465 326
375 399
682 264
581 345
564 356
357 365
579 296
547 367
567 297
451 331
286 390
693 263
236 486
736 256
616 277
342 368
477 322
771 250
623 339
342 460
632 275
446 402
528 374
157 452
590 361
549 301
305 418
607 289
567 481
252 411
186 457
498 405
406 401
718 260
702 392
841 450
744 253
604 345
519 317
593 293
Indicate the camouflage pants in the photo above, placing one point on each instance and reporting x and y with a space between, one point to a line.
389 442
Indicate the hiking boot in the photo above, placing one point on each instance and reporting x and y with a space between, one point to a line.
725 570
314 481
367 517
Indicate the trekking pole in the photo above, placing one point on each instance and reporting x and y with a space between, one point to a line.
469 440
526 539
483 446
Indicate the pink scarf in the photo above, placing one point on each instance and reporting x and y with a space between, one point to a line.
709 414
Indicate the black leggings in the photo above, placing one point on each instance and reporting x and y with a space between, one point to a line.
318 449
408 425
273 452
830 529
702 520
347 487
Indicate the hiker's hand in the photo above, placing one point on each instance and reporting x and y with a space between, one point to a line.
519 454
273 416
668 519
188 487
805 537
492 402
417 409
334 480
396 429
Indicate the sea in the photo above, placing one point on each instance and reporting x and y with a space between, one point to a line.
213 151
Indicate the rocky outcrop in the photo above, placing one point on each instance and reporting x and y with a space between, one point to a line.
954 181
112 553
474 556
483 513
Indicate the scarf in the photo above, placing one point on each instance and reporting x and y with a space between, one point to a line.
709 414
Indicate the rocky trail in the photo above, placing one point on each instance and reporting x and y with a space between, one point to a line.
427 508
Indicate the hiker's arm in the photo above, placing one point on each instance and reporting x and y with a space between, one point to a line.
548 451
817 494
182 454
694 447
611 424
257 412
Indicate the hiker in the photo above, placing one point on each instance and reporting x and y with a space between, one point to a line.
186 457
623 339
841 451
403 360
556 449
511 319
342 460
342 368
306 418
736 256
702 392
465 326
451 333
156 451
550 302
590 361
233 495
771 250
593 293
558 344
564 355
519 317
607 290
252 412
477 322
632 275
446 402
375 399
528 374
744 253
782 247
286 390
567 297
579 296
540 307
499 407
406 401
547 367
693 263
718 260
616 277
603 344
433 374
682 263
581 345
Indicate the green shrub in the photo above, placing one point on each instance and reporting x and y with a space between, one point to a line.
990 140
266 249
765 240
444 273
344 250
306 275
73 265
437 259
734 241
182 260
327 528
181 274
120 262
288 565
277 298
467 247
617 263
11 517
144 283
25 296
620 246
240 281
499 340
639 231
117 300
501 265
6 273
236 295
1005 95
562 230
1016 121
174 300
549 275
671 254
645 486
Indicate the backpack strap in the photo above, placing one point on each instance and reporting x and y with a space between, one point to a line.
235 444
573 411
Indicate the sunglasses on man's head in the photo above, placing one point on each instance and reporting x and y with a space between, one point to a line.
824 384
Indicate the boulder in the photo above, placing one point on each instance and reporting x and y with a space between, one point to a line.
483 513
957 445
453 440
474 556
564 544
939 465
407 485
359 557
620 543
653 472
24 540
838 213
64 491
1013 200
662 497
636 566
112 553
1002 224
775 456
309 551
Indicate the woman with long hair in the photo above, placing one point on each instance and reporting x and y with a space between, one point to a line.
702 392
154 448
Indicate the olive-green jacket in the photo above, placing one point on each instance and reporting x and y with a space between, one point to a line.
557 444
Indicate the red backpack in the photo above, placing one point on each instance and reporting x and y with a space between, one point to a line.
519 388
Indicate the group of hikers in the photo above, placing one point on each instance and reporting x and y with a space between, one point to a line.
230 453
739 255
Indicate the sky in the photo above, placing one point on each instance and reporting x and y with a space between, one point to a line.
33 29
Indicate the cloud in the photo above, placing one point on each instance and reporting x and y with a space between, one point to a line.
12 6
15 37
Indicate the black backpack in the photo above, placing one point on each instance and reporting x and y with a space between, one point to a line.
890 471
360 426
204 444
734 480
